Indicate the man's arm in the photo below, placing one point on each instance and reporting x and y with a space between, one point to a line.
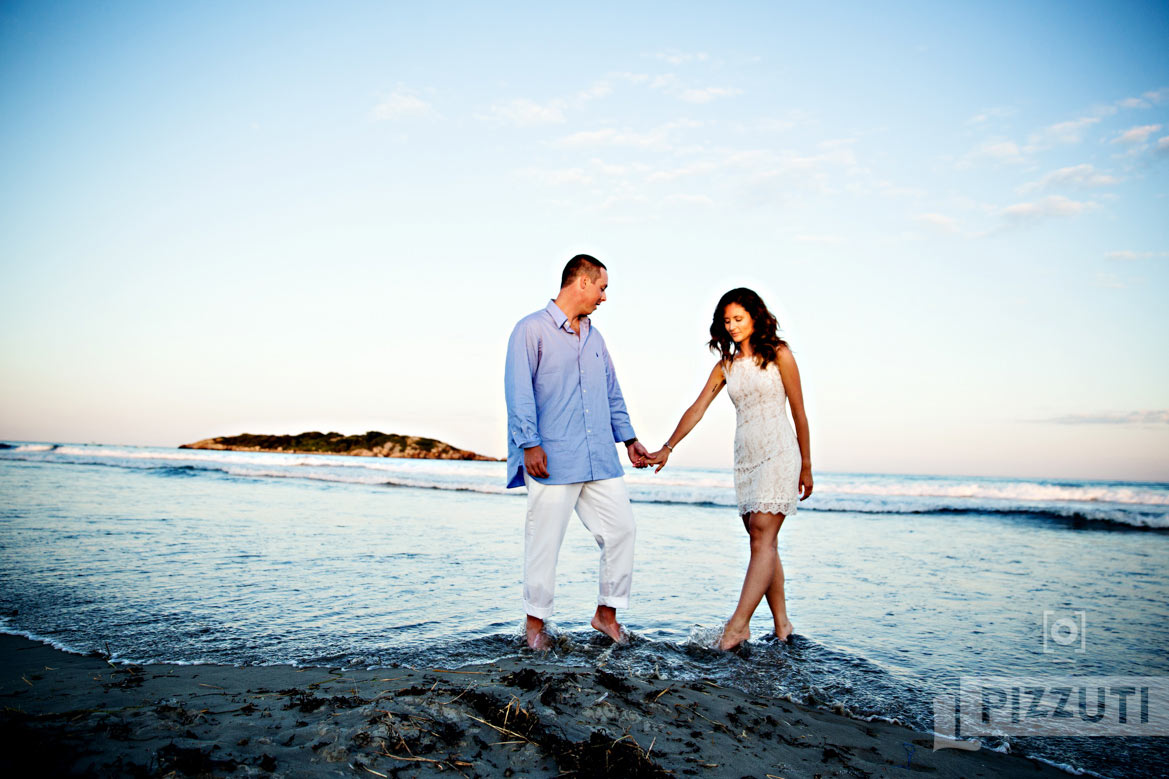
619 417
523 349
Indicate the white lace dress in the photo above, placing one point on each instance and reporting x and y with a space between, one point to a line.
767 453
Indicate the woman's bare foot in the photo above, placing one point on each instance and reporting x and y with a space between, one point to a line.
537 638
732 637
605 620
783 630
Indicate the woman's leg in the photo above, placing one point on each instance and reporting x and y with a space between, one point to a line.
760 578
776 600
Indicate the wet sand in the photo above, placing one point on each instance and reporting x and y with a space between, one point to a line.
69 715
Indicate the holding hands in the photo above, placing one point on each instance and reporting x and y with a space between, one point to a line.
660 457
638 454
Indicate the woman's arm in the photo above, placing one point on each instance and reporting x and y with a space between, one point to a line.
690 418
795 396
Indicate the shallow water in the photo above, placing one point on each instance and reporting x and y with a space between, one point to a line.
161 561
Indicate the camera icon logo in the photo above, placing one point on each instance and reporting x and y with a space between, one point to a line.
1063 631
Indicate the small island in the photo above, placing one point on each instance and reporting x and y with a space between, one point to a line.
371 444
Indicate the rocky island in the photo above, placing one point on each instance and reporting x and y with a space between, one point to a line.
371 444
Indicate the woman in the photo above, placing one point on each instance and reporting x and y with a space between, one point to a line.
773 465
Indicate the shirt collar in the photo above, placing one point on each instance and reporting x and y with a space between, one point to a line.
559 317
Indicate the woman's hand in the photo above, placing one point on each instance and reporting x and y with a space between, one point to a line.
805 481
659 458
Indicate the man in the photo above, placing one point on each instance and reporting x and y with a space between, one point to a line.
564 414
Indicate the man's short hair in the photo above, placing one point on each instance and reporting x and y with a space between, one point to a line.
581 263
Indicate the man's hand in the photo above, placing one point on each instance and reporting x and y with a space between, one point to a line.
536 462
638 454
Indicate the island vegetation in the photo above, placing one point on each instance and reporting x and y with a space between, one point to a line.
372 444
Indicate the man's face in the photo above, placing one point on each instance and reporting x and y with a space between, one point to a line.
594 291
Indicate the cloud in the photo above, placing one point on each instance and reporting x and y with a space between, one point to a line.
826 240
696 169
1131 255
706 94
998 112
1063 132
1156 417
1109 281
1157 96
402 104
1162 146
559 176
680 58
522 112
1136 135
941 222
1077 177
1132 102
689 200
1052 206
609 136
999 150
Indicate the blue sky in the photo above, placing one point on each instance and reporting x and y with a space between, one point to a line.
221 217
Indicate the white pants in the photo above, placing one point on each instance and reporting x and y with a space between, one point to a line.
603 507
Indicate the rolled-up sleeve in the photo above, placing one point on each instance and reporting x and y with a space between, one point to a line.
618 414
523 350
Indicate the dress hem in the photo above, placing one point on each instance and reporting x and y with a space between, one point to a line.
787 508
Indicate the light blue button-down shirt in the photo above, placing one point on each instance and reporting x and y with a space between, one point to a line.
562 394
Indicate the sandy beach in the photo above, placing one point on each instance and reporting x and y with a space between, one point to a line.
69 715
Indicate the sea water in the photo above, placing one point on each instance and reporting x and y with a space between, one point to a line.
897 585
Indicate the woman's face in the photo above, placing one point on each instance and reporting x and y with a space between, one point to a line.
738 322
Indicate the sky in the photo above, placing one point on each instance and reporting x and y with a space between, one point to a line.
219 218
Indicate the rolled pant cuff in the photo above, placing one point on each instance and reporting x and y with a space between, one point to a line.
614 603
537 612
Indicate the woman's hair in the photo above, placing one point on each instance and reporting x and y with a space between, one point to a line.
765 342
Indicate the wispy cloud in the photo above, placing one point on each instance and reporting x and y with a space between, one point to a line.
998 112
610 136
1155 417
1136 135
680 58
826 240
1125 254
689 200
706 94
1071 131
997 149
558 176
1157 96
1083 176
670 84
946 224
524 112
1033 212
402 104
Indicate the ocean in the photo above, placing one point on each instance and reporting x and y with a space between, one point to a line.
897 585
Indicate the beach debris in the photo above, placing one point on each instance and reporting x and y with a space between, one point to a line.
191 760
612 682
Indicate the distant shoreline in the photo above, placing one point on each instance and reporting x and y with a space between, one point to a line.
372 444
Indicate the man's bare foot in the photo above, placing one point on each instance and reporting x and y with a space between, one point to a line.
537 638
732 637
783 630
605 620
